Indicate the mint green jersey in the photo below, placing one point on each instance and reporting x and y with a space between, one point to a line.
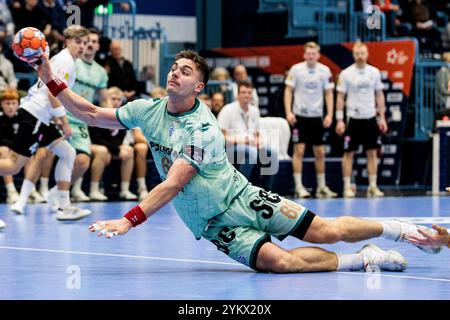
196 137
90 77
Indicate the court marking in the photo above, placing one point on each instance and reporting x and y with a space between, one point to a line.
116 255
416 220
367 274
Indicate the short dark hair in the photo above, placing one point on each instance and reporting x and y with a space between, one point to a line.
199 61
94 31
246 83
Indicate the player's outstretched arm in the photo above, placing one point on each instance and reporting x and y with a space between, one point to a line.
180 173
78 106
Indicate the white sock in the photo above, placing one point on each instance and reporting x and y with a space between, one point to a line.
298 180
95 186
321 180
43 184
353 261
347 182
25 191
373 181
124 185
391 230
10 187
141 183
63 198
77 185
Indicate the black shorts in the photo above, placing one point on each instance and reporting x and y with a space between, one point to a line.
309 131
363 132
33 134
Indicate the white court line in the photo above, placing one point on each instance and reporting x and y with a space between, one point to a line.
417 220
117 255
369 274
201 261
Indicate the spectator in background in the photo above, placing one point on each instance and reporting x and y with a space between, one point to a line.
158 92
391 9
30 14
113 140
362 85
9 126
121 72
57 14
206 99
222 74
7 76
307 84
240 75
239 122
147 79
217 102
6 23
424 26
442 79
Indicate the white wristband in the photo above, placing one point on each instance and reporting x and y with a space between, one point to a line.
58 112
339 115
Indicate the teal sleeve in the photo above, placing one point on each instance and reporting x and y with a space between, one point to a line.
127 115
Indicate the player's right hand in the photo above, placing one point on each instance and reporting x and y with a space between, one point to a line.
340 127
290 117
111 228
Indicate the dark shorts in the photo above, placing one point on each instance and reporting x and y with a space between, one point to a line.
33 134
309 131
363 132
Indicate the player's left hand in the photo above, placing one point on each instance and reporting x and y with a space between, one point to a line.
111 228
382 124
439 239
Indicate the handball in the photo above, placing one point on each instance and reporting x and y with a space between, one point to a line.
29 44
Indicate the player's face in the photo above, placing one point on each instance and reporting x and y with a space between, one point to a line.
245 95
360 54
9 107
184 79
93 44
76 46
311 55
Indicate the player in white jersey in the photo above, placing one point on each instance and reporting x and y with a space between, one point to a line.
36 111
307 82
365 107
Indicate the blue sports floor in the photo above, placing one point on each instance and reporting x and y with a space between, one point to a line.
41 258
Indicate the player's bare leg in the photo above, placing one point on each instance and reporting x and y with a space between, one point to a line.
372 169
323 191
347 167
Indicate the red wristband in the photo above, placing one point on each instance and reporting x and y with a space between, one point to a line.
55 86
136 216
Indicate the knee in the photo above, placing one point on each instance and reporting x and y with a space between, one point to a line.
83 161
141 150
128 154
298 153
